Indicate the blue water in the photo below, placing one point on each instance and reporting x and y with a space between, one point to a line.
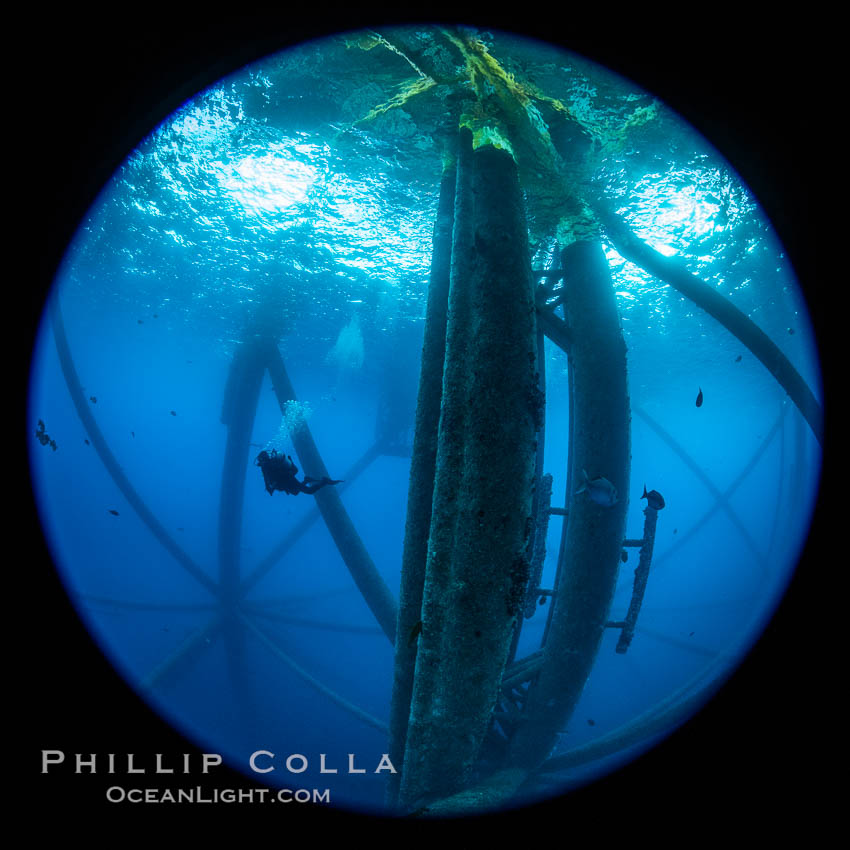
252 187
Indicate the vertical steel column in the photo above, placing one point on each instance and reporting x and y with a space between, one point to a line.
477 565
422 469
641 577
238 411
600 443
242 394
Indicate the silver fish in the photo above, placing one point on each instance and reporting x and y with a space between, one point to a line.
600 490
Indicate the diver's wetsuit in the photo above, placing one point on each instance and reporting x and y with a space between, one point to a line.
279 474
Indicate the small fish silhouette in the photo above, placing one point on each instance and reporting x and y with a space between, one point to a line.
93 399
114 513
699 398
654 499
173 413
87 442
591 722
738 358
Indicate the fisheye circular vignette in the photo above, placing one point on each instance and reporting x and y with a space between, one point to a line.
534 348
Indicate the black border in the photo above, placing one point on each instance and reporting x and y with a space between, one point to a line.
92 88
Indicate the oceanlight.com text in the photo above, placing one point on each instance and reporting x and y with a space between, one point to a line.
118 794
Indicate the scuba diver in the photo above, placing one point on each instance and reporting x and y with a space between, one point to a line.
279 474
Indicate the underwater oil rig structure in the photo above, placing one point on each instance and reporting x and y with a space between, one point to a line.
470 724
